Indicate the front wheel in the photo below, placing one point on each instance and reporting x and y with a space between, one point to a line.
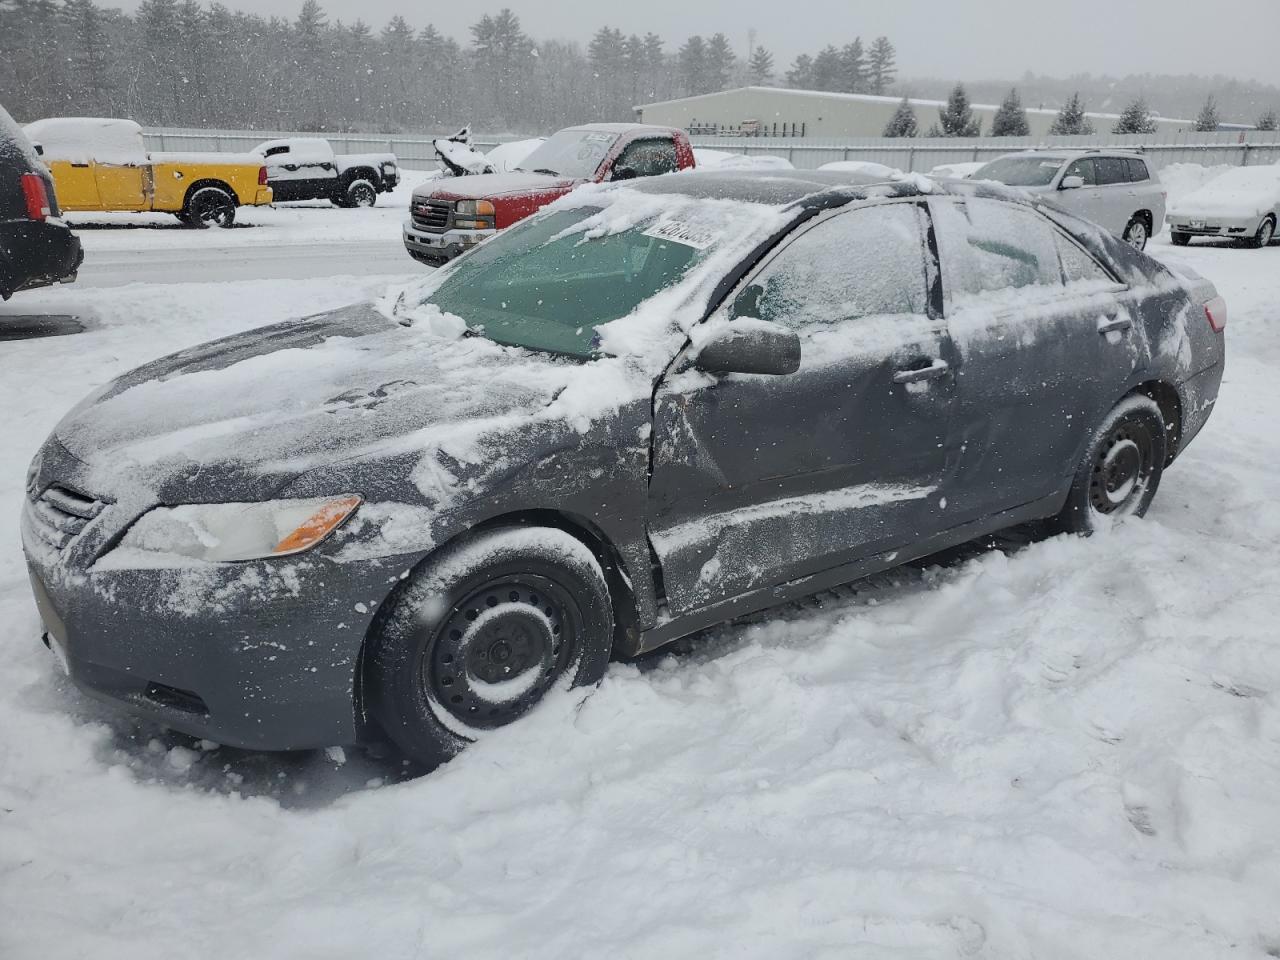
361 193
479 634
1136 233
210 206
1121 469
1266 231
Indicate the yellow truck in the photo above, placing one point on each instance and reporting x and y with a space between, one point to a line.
103 164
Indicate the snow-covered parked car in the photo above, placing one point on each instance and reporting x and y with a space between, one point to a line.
956 171
709 159
1243 204
306 168
866 167
650 408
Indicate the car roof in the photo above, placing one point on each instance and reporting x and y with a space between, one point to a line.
1054 154
618 127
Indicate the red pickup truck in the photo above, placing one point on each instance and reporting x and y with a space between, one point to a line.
449 216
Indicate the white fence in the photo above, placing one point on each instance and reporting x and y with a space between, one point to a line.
806 153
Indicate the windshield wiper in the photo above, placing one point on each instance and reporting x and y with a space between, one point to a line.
548 171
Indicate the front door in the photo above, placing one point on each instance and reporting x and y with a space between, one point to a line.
1085 202
759 480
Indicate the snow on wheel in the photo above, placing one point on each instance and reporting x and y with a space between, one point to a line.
1121 469
481 632
361 193
1136 233
210 206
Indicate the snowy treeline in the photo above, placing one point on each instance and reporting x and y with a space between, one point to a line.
188 63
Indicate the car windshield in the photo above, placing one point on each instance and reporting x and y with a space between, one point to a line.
1020 171
548 283
570 153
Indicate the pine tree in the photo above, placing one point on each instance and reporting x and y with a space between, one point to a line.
1135 118
1207 120
1071 119
826 69
903 122
1268 121
87 57
882 67
800 75
692 60
1010 120
720 62
760 66
957 117
853 67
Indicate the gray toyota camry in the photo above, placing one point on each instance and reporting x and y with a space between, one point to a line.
650 408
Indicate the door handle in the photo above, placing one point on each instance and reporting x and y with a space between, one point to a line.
936 369
1114 324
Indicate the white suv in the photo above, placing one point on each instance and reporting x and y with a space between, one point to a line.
1114 189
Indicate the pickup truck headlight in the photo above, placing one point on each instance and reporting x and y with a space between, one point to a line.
474 208
223 532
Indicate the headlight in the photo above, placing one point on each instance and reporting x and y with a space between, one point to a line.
474 208
220 532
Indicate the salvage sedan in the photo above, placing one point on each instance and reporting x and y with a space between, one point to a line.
650 408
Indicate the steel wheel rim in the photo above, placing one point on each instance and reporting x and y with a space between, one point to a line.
1121 471
498 651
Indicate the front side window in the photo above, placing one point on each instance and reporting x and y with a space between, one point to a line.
648 158
1020 171
859 263
1084 169
988 246
570 153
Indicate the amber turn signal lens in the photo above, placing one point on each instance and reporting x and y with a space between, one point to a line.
319 525
484 208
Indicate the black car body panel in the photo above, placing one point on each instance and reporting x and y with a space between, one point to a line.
33 253
703 498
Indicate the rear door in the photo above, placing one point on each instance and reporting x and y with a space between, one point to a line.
1118 198
760 480
1047 340
123 186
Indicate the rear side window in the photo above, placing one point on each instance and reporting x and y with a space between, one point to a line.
1137 170
1111 170
861 263
989 246
1078 265
648 158
1083 168
276 151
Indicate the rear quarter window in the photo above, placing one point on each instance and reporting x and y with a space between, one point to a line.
1137 170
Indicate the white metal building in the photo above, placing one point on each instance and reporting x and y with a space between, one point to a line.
781 111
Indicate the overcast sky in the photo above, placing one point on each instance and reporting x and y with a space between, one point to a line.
961 39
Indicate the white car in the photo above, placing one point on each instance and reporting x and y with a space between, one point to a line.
956 171
868 167
708 159
1243 204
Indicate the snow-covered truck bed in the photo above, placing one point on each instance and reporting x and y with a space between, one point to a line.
306 168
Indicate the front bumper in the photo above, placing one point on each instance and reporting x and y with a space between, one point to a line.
260 655
1214 226
441 247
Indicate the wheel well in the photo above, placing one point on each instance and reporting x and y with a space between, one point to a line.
360 173
1170 404
1146 217
202 184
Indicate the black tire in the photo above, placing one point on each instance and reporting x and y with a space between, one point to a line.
1180 239
1121 468
1266 231
529 599
209 206
1136 232
360 193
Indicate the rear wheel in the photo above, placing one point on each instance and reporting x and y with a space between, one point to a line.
209 206
360 193
1180 239
1121 469
482 632
1266 231
1137 232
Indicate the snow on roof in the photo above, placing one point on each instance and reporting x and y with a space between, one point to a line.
878 98
84 139
617 127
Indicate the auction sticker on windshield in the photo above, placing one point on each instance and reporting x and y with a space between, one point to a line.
680 232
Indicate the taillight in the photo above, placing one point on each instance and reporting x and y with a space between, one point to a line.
262 176
37 196
1215 312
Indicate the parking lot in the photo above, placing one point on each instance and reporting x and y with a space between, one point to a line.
833 771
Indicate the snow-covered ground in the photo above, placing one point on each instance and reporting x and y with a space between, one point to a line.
1068 750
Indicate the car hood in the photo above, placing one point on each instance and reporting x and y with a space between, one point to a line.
488 185
242 417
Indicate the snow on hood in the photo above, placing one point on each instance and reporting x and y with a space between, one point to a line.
1240 192
487 185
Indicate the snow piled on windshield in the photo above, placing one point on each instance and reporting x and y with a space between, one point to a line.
1243 191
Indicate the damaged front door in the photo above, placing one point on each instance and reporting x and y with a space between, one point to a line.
759 480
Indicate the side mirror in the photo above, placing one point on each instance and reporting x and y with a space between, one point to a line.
624 173
1072 182
749 345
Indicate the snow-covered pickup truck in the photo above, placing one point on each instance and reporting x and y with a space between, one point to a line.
306 168
101 163
450 215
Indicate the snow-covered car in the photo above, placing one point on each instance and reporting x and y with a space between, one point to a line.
1114 189
650 408
956 171
36 247
306 168
709 159
1243 204
867 167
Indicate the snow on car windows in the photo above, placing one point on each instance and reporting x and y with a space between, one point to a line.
570 153
1020 171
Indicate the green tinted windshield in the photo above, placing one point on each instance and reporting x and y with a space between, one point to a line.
536 286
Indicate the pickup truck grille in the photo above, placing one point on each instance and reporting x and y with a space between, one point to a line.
59 515
432 215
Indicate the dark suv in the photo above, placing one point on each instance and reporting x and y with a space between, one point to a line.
36 248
